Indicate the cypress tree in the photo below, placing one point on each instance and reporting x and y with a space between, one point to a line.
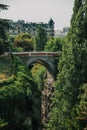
72 72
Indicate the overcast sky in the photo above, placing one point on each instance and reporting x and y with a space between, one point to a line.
39 11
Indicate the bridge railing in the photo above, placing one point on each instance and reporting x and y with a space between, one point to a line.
33 53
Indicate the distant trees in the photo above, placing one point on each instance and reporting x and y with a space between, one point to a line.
40 39
51 24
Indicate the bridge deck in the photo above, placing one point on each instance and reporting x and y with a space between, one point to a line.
27 54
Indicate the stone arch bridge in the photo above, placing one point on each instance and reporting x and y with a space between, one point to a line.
44 58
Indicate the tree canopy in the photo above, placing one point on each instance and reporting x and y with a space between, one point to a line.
24 41
40 39
54 44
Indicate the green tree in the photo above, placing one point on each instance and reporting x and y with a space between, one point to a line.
4 45
54 44
51 24
38 72
40 39
24 41
72 72
20 102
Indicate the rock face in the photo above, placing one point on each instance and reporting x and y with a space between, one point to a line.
46 101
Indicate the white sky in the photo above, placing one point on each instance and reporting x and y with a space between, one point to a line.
39 11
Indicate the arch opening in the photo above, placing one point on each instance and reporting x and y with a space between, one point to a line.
49 66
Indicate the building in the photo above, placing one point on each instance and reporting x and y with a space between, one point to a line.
61 33
29 27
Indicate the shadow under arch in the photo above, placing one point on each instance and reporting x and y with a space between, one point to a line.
49 64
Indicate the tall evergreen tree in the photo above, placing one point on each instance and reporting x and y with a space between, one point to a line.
72 72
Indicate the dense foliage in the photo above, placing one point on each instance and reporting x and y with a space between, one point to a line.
72 75
54 44
20 102
24 41
39 72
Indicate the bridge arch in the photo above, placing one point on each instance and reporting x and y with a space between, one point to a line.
44 58
48 62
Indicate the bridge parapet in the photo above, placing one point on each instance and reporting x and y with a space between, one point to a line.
28 54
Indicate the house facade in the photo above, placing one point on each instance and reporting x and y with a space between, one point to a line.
29 27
